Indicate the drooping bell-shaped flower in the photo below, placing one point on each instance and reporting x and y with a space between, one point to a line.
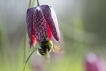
41 22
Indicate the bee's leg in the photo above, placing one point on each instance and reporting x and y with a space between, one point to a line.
48 55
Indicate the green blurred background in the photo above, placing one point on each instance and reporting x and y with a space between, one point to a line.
82 24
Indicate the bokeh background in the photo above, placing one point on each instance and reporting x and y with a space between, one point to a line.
83 30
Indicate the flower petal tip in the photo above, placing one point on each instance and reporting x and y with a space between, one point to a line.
51 19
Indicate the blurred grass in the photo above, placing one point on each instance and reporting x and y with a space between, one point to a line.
4 44
70 63
78 43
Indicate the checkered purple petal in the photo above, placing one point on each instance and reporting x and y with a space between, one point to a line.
29 21
51 19
39 22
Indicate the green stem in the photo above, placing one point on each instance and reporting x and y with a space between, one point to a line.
38 2
29 4
33 3
25 47
23 69
25 40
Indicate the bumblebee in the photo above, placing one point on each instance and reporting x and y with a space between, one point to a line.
47 46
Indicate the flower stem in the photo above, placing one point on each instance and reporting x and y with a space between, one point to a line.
33 3
25 40
27 60
38 2
29 4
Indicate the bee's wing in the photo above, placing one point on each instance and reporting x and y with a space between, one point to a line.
57 49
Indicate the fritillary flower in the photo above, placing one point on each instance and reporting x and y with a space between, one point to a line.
94 63
41 22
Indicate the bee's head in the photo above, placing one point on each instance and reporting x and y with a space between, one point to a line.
41 52
45 40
